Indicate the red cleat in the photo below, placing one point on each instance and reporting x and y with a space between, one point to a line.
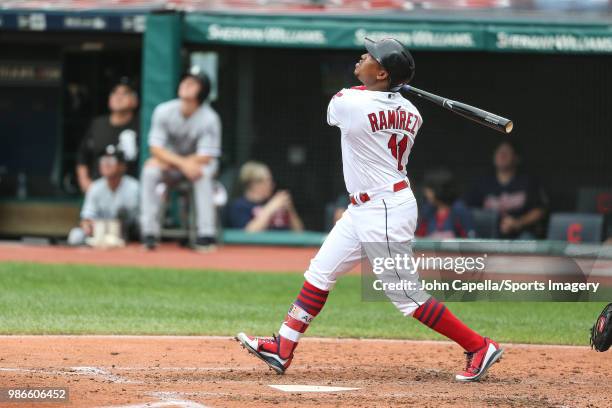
479 361
266 349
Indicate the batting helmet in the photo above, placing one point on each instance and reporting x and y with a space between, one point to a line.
394 58
199 75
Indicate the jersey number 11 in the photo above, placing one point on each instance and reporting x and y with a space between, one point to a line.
398 149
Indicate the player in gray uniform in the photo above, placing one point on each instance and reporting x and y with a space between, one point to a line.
185 143
112 196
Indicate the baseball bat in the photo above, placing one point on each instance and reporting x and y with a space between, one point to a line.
483 117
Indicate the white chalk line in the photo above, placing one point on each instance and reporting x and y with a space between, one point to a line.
161 404
165 399
203 369
299 388
306 339
89 371
106 375
83 370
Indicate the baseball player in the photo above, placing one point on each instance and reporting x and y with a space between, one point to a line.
378 129
185 143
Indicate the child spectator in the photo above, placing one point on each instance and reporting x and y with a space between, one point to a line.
260 208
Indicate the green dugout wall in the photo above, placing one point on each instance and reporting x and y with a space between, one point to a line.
447 34
161 67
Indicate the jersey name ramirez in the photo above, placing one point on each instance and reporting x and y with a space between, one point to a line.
397 119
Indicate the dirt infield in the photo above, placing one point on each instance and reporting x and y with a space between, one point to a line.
125 371
196 372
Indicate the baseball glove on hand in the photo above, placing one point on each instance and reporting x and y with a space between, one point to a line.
601 333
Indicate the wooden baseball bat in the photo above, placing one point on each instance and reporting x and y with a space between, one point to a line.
483 117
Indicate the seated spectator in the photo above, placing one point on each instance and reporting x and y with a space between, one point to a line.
517 197
113 196
443 215
261 208
185 144
120 128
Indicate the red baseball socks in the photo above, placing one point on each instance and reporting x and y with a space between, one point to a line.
436 316
306 307
432 313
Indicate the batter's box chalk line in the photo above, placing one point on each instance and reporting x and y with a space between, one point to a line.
310 388
95 372
100 373
166 400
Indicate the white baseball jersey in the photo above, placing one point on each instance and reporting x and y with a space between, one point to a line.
378 132
198 134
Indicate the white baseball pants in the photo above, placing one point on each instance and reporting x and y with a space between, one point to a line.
391 219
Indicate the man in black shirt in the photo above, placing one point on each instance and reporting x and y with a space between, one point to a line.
119 128
517 197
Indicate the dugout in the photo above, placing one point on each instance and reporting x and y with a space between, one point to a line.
551 73
56 69
277 69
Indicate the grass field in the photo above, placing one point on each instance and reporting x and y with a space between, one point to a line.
73 299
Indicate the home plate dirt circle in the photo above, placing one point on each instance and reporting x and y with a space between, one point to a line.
196 372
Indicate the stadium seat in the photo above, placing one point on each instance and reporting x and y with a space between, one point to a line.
594 200
179 215
576 227
485 223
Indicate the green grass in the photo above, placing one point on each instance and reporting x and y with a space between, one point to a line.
74 299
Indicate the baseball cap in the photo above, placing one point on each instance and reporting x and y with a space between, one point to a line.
394 58
127 82
113 151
